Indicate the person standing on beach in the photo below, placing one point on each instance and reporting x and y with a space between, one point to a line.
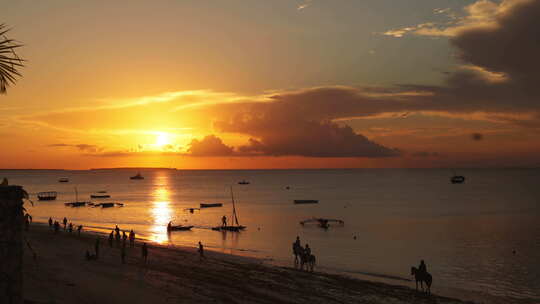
124 237
65 223
96 246
307 250
111 237
131 238
50 222
56 226
70 227
79 230
201 251
144 252
26 224
297 242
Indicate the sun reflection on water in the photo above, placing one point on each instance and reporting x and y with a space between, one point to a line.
161 210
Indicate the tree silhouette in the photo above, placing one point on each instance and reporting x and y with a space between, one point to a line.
9 61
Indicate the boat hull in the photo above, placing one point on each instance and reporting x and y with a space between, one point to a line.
211 205
299 202
179 228
229 228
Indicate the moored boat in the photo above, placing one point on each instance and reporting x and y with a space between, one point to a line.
211 205
232 228
63 180
138 176
457 179
170 227
243 182
100 196
76 204
306 201
47 196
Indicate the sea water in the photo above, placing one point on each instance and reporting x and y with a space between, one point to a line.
479 239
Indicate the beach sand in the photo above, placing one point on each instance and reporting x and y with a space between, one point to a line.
61 274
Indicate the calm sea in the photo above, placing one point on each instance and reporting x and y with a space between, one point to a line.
467 233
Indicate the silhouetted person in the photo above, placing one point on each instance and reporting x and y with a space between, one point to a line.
124 236
79 230
26 224
65 223
169 227
123 253
56 226
201 251
111 237
144 249
422 268
50 222
224 221
307 250
96 246
297 242
70 227
28 217
132 238
117 230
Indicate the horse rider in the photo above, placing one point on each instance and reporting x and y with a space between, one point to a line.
422 268
297 242
307 250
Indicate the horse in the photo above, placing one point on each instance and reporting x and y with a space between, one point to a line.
308 259
422 277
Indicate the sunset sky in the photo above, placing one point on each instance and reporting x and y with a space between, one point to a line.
273 84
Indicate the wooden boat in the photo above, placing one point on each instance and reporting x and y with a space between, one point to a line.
457 179
63 180
138 176
100 196
243 182
231 228
322 222
47 196
178 228
211 205
306 201
76 203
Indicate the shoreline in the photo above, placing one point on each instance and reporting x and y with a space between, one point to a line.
174 274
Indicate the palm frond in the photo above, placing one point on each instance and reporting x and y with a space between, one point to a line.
9 61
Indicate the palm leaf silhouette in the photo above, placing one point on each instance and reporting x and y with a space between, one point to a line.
9 61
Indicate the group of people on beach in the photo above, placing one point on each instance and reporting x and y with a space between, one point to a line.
69 228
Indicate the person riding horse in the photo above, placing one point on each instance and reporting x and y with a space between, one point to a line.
421 275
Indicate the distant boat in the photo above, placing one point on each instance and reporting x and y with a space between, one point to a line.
138 176
322 222
76 203
170 227
211 205
107 205
232 228
47 196
457 179
306 201
243 182
100 196
63 180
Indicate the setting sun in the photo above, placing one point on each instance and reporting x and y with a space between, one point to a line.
162 139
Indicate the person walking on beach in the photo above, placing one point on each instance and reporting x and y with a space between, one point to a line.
70 227
124 236
224 221
144 249
123 253
96 247
111 237
297 242
131 238
65 223
56 226
201 251
50 222
79 230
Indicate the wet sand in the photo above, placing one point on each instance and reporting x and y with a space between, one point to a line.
61 274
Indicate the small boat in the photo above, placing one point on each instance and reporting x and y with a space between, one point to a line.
231 228
170 228
306 201
47 196
138 176
76 203
243 182
63 180
191 210
457 179
211 205
322 222
100 196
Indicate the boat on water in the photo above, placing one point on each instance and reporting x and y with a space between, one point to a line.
322 222
108 205
211 205
243 182
63 180
457 179
306 201
191 210
236 227
76 203
138 176
99 196
171 227
47 196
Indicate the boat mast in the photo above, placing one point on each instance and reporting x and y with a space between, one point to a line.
76 195
235 217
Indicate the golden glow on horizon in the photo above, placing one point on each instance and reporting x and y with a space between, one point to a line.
163 139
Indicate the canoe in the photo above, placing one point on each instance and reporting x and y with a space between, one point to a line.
210 205
306 201
179 228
